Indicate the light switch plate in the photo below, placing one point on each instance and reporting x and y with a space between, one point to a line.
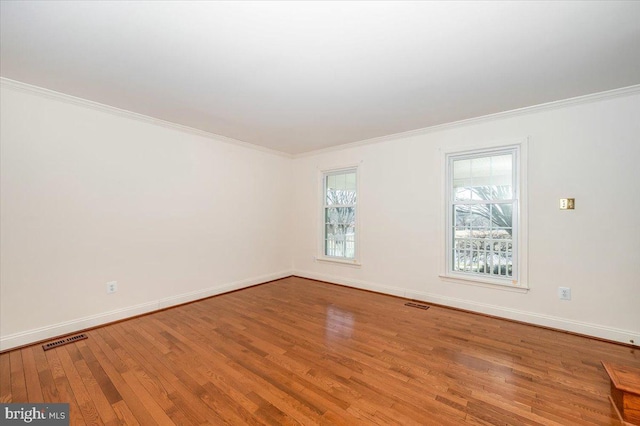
567 203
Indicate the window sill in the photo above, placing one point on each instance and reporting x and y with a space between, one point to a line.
487 283
354 263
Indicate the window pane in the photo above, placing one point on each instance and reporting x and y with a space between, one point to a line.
332 196
502 216
484 216
330 189
463 194
331 182
492 192
341 189
481 171
350 184
461 169
501 170
340 216
472 216
340 240
483 178
340 197
483 255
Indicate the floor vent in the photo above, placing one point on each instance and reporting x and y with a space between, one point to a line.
61 342
416 305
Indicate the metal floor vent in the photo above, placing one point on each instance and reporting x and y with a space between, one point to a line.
61 342
416 305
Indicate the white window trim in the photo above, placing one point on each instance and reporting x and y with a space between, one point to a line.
519 283
321 257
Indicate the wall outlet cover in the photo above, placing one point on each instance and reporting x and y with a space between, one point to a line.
564 293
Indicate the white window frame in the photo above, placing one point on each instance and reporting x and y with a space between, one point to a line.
322 257
518 282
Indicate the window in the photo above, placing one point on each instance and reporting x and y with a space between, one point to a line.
339 213
482 215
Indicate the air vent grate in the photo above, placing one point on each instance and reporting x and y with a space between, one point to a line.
61 342
416 305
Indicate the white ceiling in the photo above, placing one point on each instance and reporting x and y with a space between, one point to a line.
301 76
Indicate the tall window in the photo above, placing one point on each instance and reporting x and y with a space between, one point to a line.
339 205
483 207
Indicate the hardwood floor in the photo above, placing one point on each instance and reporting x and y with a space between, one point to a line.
297 351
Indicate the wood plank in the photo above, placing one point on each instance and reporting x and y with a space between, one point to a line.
102 391
298 351
159 407
5 378
114 368
182 391
125 416
18 383
45 375
77 381
63 387
32 379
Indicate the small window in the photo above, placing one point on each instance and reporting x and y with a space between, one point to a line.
482 218
339 213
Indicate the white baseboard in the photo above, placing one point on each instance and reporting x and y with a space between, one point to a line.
43 333
580 327
60 329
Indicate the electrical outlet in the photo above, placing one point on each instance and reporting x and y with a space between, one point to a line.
112 287
564 293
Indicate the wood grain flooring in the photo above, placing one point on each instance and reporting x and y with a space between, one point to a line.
302 352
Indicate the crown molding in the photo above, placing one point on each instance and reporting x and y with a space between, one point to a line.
73 100
51 94
609 94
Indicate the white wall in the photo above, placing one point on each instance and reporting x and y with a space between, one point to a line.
587 150
90 196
